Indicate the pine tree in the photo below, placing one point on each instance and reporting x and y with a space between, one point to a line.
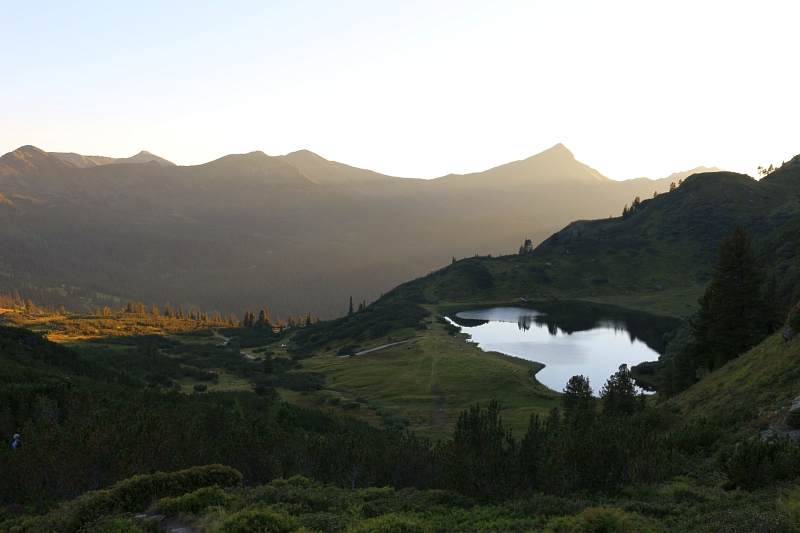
619 393
350 309
733 315
181 314
577 399
130 308
153 309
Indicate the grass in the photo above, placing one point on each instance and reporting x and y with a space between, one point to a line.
226 383
429 380
764 379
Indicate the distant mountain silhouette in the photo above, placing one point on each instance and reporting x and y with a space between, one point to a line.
295 232
551 187
87 161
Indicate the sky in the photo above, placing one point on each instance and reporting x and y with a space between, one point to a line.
407 88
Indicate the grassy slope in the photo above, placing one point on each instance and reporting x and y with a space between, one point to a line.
430 380
764 379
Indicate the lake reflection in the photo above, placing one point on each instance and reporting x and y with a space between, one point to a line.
569 338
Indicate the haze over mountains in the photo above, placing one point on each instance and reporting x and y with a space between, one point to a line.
294 232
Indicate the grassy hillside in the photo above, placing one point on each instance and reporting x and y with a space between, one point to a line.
761 381
656 260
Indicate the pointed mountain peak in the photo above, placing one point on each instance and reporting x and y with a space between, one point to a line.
559 149
145 157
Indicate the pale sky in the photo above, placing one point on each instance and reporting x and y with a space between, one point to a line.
407 88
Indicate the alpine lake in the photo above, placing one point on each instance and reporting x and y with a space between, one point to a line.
569 338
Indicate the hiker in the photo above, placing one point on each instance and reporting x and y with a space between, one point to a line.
17 444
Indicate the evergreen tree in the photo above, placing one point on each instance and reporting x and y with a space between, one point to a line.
619 393
180 311
153 309
577 399
130 308
350 309
733 315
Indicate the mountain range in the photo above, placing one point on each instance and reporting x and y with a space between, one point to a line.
295 232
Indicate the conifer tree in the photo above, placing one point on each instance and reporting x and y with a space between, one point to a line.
350 309
619 393
733 315
180 312
577 399
153 309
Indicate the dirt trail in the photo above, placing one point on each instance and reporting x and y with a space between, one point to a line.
387 345
225 341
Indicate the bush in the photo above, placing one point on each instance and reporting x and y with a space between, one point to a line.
253 521
324 522
602 520
195 502
793 419
391 523
351 405
131 495
350 349
200 387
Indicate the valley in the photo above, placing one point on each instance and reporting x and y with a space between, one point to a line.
393 394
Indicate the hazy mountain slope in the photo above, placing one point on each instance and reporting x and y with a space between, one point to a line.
551 187
87 161
84 161
658 259
242 231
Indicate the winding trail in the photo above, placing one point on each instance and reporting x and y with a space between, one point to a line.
387 345
225 341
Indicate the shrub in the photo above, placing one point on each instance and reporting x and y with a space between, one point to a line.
793 419
200 387
391 523
602 520
254 521
195 502
350 349
115 525
335 401
351 405
324 522
131 495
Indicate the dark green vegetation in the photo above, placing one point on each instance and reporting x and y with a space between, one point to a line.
299 504
298 233
89 421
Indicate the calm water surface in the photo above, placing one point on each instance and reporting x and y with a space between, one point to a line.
569 339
